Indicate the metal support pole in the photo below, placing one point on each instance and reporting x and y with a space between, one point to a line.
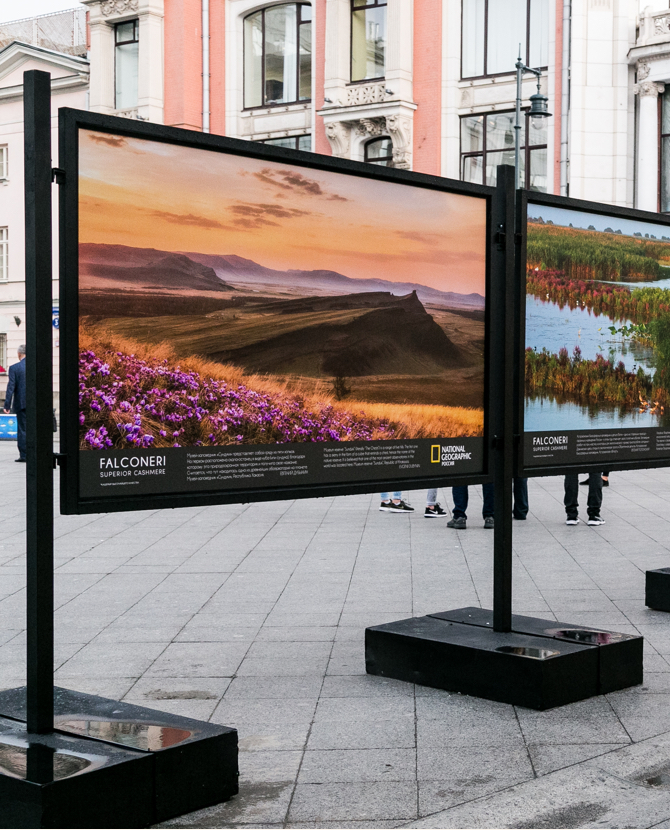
39 400
502 332
517 125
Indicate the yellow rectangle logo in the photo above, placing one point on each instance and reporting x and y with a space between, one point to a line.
435 452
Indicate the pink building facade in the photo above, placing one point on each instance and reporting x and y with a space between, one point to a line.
426 85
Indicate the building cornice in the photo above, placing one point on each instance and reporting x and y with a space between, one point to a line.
648 54
365 111
17 53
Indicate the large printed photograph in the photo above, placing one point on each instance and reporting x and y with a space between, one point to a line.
597 322
227 300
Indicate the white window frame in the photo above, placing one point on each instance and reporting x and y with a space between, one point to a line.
4 249
4 162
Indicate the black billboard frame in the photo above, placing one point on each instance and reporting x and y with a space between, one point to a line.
568 203
71 121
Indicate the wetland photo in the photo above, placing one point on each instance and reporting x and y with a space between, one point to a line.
228 300
597 321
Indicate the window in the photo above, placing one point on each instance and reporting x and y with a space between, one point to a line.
379 151
488 140
126 53
368 39
493 30
4 162
292 142
278 55
3 354
4 254
664 195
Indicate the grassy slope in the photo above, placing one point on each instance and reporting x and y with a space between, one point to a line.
410 420
585 254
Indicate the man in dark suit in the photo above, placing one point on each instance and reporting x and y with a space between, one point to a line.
16 394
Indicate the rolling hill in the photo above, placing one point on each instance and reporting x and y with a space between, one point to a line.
353 335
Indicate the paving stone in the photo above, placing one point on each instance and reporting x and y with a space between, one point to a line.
350 765
576 797
367 801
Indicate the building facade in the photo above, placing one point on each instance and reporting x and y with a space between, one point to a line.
55 44
426 85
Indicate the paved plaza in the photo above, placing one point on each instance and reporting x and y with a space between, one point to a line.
253 616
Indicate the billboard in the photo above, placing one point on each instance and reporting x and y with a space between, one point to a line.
596 361
248 319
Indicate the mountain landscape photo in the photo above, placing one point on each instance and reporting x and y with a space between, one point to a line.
383 345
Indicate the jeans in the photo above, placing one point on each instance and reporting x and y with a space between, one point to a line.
571 499
460 496
431 496
520 490
21 431
397 494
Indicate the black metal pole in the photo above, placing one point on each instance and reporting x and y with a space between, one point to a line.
502 334
39 400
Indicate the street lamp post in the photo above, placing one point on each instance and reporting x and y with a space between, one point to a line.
538 109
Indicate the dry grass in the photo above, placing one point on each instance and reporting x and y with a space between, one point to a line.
409 420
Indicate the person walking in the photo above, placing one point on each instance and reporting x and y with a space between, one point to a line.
605 477
16 395
459 517
593 504
433 507
460 496
393 503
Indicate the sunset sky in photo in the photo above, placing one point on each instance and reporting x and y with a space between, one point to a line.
148 194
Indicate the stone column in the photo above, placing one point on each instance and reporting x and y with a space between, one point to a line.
150 81
647 145
399 48
101 90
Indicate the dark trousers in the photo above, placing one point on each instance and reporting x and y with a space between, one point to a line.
21 431
571 499
520 490
460 496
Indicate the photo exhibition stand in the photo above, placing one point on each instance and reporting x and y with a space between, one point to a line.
69 759
496 654
73 760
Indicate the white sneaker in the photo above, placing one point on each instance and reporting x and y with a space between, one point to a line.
572 521
596 521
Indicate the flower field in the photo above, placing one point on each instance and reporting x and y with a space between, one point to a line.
138 396
616 302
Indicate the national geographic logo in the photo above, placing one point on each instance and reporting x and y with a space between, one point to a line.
448 456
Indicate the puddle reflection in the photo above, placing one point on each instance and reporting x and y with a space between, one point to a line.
528 651
148 737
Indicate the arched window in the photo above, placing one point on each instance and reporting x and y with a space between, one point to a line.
278 55
379 151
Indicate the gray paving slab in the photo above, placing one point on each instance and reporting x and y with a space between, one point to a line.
254 616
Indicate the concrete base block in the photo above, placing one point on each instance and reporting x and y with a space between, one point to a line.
657 589
159 764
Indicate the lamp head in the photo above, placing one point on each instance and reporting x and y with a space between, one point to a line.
538 108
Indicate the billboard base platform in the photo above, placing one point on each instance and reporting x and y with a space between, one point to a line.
109 764
524 668
619 655
657 589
